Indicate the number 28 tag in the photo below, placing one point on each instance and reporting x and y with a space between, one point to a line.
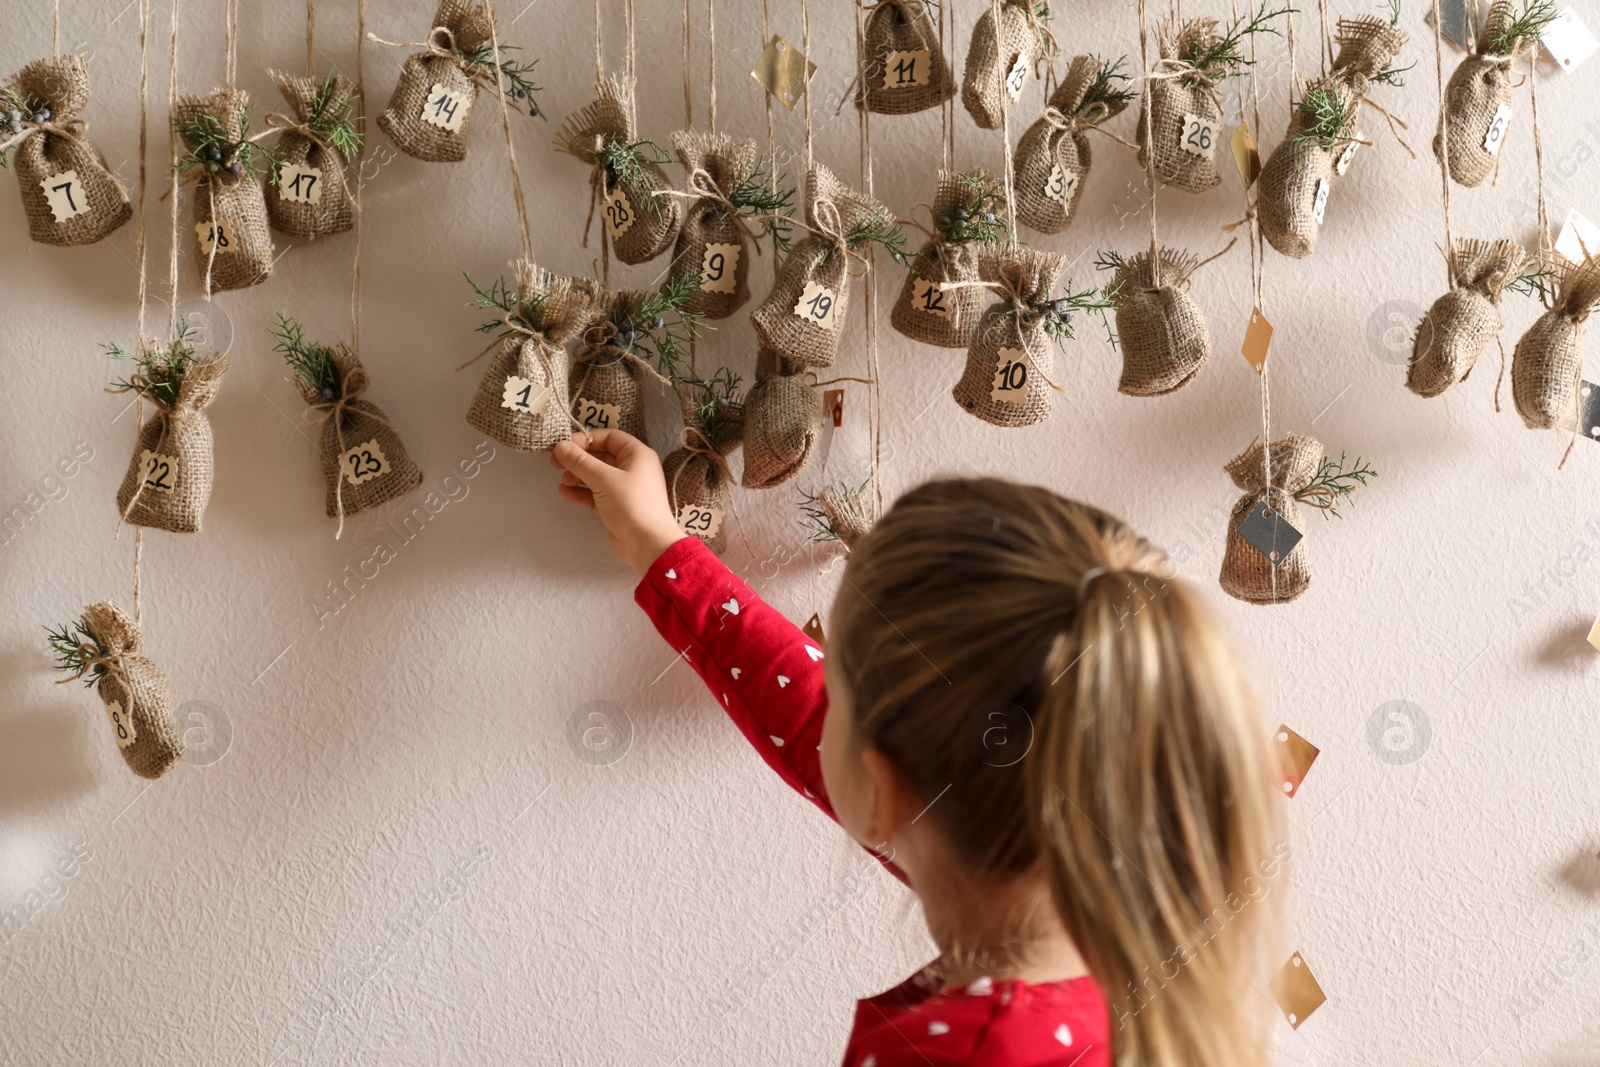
816 305
701 521
618 212
445 108
364 462
719 269
121 724
1011 379
1199 135
65 193
160 472
523 396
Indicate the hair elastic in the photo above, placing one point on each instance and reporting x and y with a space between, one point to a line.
1088 576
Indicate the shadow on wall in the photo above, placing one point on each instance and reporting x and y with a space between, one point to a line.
1568 648
1581 874
44 749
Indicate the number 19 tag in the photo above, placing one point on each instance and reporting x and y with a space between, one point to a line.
65 193
160 472
1199 135
816 305
364 462
1011 379
523 396
701 521
121 724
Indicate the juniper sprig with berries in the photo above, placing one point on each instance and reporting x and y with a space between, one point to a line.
208 148
160 372
332 117
660 323
981 215
513 74
311 363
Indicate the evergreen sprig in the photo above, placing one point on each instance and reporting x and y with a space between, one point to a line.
501 297
1334 482
312 363
1394 11
661 323
713 410
1056 315
73 644
1329 122
1528 25
1537 284
209 147
160 371
513 73
1110 87
332 117
817 520
1223 57
624 162
1392 75
17 111
980 216
882 229
757 195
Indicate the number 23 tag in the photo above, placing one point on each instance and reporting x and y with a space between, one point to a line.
364 462
816 305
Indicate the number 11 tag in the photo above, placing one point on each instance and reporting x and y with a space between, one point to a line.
816 305
65 193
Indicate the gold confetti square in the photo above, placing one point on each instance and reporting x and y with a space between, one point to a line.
813 630
1297 991
1295 756
1245 155
784 71
1257 336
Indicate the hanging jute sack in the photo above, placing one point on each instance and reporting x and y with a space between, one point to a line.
1474 123
432 105
1010 362
804 315
522 400
1246 573
851 512
136 694
364 462
711 242
936 305
1295 183
1163 336
168 482
311 196
903 68
782 423
608 377
1548 361
699 482
1366 45
230 213
999 60
1052 160
1185 108
1461 322
68 192
626 181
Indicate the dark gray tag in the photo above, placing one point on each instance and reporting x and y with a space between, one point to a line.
1269 533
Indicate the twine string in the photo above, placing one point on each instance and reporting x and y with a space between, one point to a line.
1444 143
1150 146
511 151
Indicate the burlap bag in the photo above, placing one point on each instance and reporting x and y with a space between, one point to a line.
851 512
1547 362
1024 277
697 473
1479 86
1163 336
1059 139
782 424
139 689
459 26
1246 573
235 199
1172 98
1366 44
166 498
833 211
942 261
901 26
606 372
1287 192
540 358
49 147
301 145
990 57
348 421
714 163
655 214
1461 322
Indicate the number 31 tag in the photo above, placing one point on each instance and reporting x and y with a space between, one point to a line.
364 462
1199 136
816 305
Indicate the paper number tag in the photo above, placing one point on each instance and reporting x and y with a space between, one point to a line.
65 193
718 268
1199 136
445 108
928 298
1579 237
1320 204
619 213
1568 40
593 416
1496 134
903 70
1017 76
364 462
1061 186
522 396
300 183
1011 379
208 232
122 724
702 522
1342 164
160 472
816 305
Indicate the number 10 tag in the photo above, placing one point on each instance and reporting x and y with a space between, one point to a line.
816 305
445 108
1199 135
701 521
364 462
1011 379
65 193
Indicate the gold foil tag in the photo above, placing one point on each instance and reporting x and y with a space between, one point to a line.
784 71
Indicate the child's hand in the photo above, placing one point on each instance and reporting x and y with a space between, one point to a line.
619 476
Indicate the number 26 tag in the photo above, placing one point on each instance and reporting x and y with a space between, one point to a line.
1496 133
816 305
364 462
1199 136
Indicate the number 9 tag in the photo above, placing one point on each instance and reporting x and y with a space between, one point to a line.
364 462
699 520
816 305
718 269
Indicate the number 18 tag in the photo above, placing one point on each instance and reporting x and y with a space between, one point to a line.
218 235
1011 379
816 305
160 472
701 521
445 108
525 397
65 193
364 462
1199 135
121 724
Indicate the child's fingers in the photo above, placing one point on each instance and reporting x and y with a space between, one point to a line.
577 494
625 450
577 460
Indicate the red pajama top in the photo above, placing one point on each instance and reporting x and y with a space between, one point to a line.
767 675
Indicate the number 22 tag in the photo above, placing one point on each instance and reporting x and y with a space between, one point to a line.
816 305
1199 136
65 193
160 472
364 462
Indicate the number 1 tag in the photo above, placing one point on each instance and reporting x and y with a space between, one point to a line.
618 212
929 298
718 267
218 235
160 472
593 416
364 462
1011 379
1199 136
816 305
523 396
1496 134
445 108
702 522
1017 76
122 724
1320 203
300 183
65 193
903 70
1061 186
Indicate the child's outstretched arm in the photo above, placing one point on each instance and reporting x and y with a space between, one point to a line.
763 671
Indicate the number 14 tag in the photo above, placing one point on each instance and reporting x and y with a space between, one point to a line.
445 108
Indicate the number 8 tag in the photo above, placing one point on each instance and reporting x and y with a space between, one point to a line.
524 397
121 724
364 462
1199 136
816 305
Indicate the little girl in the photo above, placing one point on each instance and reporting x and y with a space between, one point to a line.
1039 734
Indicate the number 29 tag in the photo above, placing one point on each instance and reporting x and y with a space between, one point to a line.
817 304
1199 135
364 462
700 521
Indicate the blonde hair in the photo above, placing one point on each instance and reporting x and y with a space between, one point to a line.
1139 778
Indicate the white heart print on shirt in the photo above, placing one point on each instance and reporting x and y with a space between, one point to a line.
814 653
1063 1034
782 681
937 1028
735 673
982 987
732 606
672 574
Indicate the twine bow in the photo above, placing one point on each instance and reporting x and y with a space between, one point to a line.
68 128
290 124
441 43
694 441
91 656
352 384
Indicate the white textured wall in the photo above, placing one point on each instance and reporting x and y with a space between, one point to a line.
677 906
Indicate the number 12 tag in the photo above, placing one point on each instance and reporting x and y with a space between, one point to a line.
701 521
445 108
160 472
1199 135
122 723
1011 379
928 298
816 305
525 397
65 193
364 462
718 269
